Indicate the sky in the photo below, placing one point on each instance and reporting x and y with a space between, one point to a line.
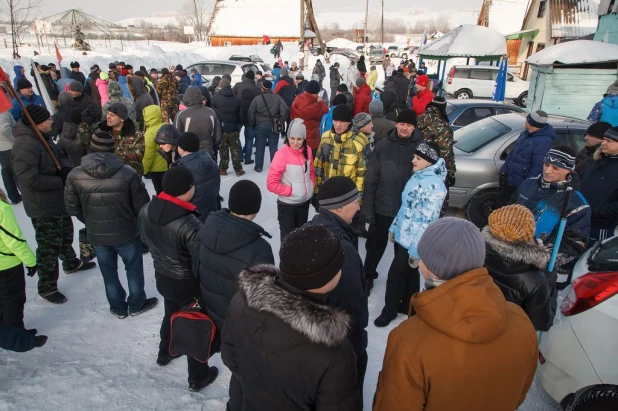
115 10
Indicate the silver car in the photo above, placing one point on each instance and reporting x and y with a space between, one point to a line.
212 68
480 150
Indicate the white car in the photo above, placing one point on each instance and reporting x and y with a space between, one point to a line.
578 357
478 82
212 68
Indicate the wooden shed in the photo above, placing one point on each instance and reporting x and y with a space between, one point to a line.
569 78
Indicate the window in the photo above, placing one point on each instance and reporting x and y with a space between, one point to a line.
507 110
542 7
603 257
540 47
450 108
478 135
227 68
250 67
472 115
209 69
480 75
571 137
493 74
509 77
462 73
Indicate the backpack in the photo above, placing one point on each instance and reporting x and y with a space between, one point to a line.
192 333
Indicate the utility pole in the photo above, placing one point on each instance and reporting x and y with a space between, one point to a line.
301 62
382 26
366 17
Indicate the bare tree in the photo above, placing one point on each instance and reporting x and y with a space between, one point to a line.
21 13
193 14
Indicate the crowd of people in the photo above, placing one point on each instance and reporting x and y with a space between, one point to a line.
295 336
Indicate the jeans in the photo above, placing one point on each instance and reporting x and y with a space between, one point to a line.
264 135
249 136
403 281
131 255
9 177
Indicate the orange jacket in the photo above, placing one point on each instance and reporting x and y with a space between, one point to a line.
311 111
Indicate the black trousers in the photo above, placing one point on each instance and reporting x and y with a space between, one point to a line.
157 180
504 198
176 294
291 216
403 281
12 296
376 244
361 369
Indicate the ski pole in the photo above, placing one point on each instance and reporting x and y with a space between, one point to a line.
563 220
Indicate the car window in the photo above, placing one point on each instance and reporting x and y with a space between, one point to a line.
450 108
462 73
480 75
509 77
561 139
477 135
212 69
472 115
507 110
228 68
605 256
573 138
493 74
249 67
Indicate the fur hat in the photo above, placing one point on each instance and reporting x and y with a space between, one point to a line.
512 223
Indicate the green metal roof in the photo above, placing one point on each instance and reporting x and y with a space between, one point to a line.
521 34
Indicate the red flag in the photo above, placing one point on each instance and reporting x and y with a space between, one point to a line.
58 55
3 76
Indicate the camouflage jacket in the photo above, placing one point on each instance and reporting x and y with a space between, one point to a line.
435 129
168 89
113 74
129 144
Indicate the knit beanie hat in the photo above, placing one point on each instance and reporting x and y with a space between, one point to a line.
310 257
120 110
376 107
267 84
250 75
111 66
167 134
313 87
561 157
285 72
337 192
422 80
297 128
340 99
360 81
177 181
189 141
407 116
342 112
76 116
103 76
537 119
361 120
611 133
224 83
39 114
451 246
245 198
428 151
598 129
65 98
178 66
76 86
512 224
23 83
102 141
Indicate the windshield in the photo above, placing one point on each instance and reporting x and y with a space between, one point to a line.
450 108
477 135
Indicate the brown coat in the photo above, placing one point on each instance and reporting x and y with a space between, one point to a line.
466 349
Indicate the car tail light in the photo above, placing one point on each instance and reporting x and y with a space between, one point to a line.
267 75
541 358
589 291
451 74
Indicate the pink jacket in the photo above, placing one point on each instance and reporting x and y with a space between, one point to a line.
102 86
291 176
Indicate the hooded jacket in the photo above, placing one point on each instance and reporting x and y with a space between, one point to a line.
18 76
599 187
107 196
152 161
77 76
272 328
199 119
402 86
207 182
89 108
609 111
421 203
50 85
326 123
372 78
463 348
246 98
381 127
390 100
360 64
114 94
92 90
168 89
258 112
228 106
362 98
16 108
226 245
102 88
124 86
518 269
142 98
291 176
319 70
170 230
65 79
335 77
311 111
14 249
286 89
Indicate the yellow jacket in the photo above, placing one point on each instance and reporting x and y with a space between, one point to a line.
152 160
372 78
14 250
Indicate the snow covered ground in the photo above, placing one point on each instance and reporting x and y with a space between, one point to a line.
94 361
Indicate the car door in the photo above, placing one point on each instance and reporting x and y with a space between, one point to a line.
570 136
480 82
472 115
210 70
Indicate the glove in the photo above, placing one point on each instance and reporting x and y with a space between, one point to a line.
502 180
391 237
147 176
368 218
32 270
63 173
451 181
315 203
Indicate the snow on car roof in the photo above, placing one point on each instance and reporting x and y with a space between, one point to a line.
271 17
575 52
467 40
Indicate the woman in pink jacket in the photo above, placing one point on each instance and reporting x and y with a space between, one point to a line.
292 177
102 83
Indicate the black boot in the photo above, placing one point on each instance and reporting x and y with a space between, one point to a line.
165 358
82 266
56 298
196 386
383 321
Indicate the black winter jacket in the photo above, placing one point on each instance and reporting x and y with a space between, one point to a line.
40 185
390 100
349 295
106 195
287 91
360 64
388 171
170 231
207 182
288 347
246 98
258 113
90 110
63 115
599 186
335 77
246 84
403 87
50 86
583 158
228 107
350 99
226 245
381 127
70 144
78 76
519 271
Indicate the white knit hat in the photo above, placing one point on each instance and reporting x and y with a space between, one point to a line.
297 128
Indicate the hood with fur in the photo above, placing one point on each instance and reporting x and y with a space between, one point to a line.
320 323
517 253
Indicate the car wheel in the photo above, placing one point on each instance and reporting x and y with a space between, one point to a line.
463 94
597 398
522 99
393 55
404 56
480 206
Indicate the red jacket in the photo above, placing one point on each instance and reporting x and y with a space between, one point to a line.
362 98
420 101
311 111
281 83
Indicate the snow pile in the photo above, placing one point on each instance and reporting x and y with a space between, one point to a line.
575 52
468 41
342 44
349 20
250 18
161 21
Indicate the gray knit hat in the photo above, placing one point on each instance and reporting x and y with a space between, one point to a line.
102 142
361 120
451 246
297 128
376 107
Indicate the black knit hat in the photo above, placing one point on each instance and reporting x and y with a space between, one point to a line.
39 114
598 129
407 116
342 112
101 141
337 192
250 75
561 157
76 116
23 83
189 142
310 257
245 198
177 181
313 87
167 134
340 99
74 64
428 151
120 110
267 84
111 66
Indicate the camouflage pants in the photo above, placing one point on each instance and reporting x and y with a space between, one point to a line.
229 143
168 111
54 238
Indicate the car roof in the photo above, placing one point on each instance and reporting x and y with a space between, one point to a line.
233 62
478 102
514 120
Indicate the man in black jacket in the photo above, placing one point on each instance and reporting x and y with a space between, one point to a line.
282 340
228 243
246 91
42 189
169 226
593 140
92 112
402 84
388 171
106 195
335 79
228 107
339 203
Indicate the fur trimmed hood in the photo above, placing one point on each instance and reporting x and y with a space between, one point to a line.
530 254
320 323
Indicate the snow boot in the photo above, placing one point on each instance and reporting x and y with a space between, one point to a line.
383 321
56 298
150 303
40 340
33 331
83 266
196 386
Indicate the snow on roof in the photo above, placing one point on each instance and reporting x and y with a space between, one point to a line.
573 18
467 40
575 52
506 16
251 18
342 43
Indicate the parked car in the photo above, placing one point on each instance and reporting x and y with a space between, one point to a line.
211 68
403 52
578 360
462 113
265 68
376 55
464 82
481 148
316 51
350 54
